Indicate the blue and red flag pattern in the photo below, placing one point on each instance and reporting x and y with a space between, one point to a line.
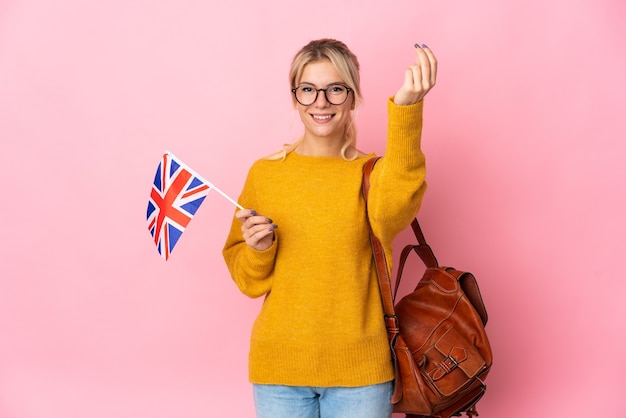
176 195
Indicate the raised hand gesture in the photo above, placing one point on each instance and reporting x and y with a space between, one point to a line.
419 78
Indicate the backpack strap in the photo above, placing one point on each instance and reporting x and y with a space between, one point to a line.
423 250
382 267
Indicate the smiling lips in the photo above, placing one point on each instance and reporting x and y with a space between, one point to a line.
322 118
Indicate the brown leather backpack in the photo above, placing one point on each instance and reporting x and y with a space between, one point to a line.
438 342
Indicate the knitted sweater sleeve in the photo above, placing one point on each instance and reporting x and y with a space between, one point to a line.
398 180
250 269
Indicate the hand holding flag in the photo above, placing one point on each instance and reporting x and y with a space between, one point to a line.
176 196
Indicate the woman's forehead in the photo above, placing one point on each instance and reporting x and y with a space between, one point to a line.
320 73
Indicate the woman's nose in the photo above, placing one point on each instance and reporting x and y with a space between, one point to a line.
320 100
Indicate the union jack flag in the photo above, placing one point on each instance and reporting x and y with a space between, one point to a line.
176 195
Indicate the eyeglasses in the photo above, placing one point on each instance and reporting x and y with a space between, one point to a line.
335 94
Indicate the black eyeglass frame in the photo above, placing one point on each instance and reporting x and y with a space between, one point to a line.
317 91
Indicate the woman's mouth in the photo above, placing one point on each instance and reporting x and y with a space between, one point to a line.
322 118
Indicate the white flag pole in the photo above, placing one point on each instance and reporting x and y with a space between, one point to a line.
205 181
223 194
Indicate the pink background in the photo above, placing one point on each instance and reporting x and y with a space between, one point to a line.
524 137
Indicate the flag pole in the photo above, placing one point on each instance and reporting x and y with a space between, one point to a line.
226 196
231 200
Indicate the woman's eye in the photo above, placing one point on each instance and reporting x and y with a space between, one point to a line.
306 89
337 89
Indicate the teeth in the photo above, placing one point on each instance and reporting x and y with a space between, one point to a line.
321 117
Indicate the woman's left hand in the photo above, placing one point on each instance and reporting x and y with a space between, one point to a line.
419 78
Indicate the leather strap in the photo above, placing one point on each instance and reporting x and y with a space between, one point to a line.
380 260
423 250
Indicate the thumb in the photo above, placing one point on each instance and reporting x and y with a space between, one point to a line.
402 96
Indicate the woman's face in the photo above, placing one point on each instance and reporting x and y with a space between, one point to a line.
323 119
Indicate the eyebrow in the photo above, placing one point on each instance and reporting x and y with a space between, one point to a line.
341 83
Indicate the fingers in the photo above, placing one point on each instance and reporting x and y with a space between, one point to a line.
244 214
419 78
412 77
424 70
257 230
428 63
432 65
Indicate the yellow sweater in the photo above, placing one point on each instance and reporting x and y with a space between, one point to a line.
321 323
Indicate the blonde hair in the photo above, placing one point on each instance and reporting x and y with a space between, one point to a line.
347 66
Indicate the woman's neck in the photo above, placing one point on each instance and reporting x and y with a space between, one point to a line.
319 148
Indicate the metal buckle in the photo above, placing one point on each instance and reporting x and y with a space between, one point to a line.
455 363
394 321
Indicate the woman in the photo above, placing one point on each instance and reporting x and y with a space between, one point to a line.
319 346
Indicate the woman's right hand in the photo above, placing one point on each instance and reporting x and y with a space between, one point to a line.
257 230
419 78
